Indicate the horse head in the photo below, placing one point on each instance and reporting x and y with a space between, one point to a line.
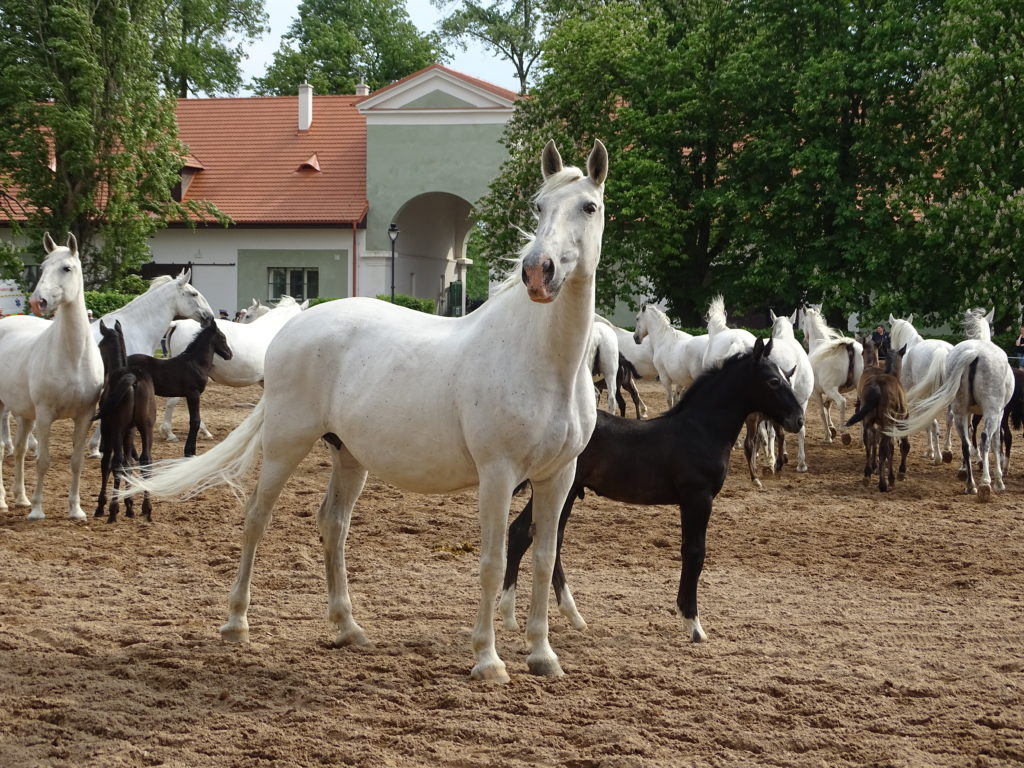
60 278
219 341
772 393
112 348
640 327
188 302
570 222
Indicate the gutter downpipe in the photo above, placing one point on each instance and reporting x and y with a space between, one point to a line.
355 224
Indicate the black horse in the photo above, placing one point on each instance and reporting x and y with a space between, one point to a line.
127 404
680 457
186 375
625 380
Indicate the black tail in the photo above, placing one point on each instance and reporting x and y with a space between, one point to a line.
869 402
850 353
626 365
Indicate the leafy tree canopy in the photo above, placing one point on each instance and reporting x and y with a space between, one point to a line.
335 44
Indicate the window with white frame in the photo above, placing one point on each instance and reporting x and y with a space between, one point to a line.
300 283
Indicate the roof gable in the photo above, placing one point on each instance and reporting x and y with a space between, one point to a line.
437 89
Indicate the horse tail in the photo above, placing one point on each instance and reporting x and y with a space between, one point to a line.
851 364
1016 404
120 386
625 366
868 404
716 315
224 464
923 412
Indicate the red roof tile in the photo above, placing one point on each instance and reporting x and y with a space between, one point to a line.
250 151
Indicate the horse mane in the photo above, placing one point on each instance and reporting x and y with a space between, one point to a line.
823 328
157 281
716 315
782 328
902 333
555 181
976 326
286 301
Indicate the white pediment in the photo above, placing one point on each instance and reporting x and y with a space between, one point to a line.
436 95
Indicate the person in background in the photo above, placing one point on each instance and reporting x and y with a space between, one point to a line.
1019 344
88 313
881 339
224 315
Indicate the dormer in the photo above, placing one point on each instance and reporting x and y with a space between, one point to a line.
189 169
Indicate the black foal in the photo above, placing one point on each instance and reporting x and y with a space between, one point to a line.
680 457
185 375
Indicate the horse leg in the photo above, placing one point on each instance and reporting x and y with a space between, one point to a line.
801 447
519 540
94 444
869 450
967 471
826 416
563 596
904 452
991 442
105 463
80 438
750 449
275 471
334 519
145 459
694 516
44 420
885 478
165 426
548 497
6 444
25 428
947 453
193 423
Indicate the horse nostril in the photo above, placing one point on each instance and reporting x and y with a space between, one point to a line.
549 269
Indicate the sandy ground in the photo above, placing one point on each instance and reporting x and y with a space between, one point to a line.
846 628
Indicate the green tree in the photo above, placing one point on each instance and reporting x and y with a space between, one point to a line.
970 193
88 145
335 44
509 28
199 44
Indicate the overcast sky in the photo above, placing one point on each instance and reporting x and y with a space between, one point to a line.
475 61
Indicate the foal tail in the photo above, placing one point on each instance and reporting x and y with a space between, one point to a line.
869 403
120 386
225 463
923 412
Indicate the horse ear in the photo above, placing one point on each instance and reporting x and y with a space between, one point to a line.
597 163
48 244
117 326
910 317
550 160
768 346
103 328
991 316
789 373
772 315
72 244
184 276
793 317
758 351
304 305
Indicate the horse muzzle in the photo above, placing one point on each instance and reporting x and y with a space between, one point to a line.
538 275
794 423
38 305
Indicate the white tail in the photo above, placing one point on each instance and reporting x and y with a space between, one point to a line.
923 413
227 462
716 316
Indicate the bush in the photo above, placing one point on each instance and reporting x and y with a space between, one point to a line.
422 305
321 300
102 302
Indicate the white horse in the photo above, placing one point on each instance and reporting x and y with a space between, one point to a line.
838 363
248 343
640 357
924 367
255 310
723 341
791 357
603 350
389 391
678 357
978 380
51 370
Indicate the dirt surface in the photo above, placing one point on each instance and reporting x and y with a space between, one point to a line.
845 628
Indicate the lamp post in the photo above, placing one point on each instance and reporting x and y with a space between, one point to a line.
393 234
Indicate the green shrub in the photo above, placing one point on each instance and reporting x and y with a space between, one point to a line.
423 305
102 302
321 300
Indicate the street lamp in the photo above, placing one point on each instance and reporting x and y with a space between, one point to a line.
393 234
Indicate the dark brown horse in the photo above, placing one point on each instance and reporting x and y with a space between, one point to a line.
625 380
186 375
127 405
680 457
880 402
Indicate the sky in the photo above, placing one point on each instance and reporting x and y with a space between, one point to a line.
474 61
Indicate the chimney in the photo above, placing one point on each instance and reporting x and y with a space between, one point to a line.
362 89
305 106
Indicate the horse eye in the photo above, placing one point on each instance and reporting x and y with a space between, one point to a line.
536 207
67 267
774 383
590 207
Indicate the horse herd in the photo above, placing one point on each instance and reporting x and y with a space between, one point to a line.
387 391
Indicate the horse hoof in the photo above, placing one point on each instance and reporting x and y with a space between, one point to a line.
172 438
95 455
985 493
832 433
866 481
847 439
961 474
802 468
36 514
24 502
902 476
76 514
547 666
233 634
490 673
350 637
947 457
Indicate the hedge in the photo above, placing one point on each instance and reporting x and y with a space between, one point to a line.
422 305
102 302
